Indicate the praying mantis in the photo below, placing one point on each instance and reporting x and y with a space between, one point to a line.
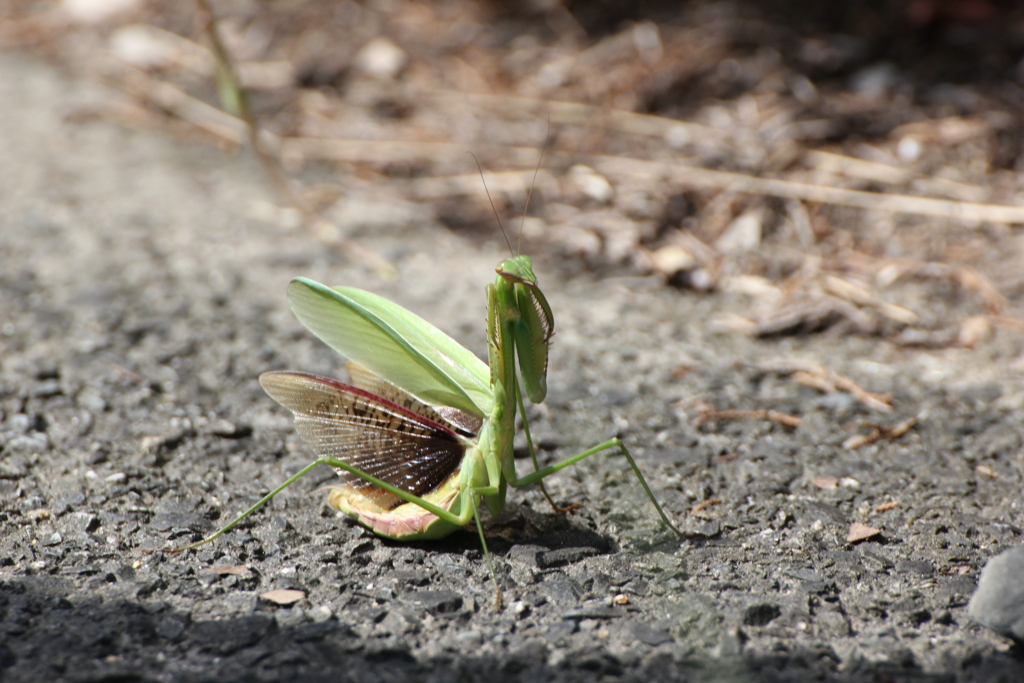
425 431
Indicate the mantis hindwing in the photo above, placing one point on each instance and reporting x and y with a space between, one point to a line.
425 431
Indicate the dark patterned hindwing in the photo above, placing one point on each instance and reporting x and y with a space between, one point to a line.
465 423
379 437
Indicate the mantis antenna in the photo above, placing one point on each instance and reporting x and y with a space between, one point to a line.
493 208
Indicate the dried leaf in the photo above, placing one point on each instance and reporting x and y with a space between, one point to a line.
743 234
753 286
283 596
973 330
227 569
986 471
732 323
858 532
672 259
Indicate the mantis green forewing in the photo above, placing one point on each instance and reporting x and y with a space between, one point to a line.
426 432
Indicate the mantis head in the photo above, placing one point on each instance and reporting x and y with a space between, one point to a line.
533 326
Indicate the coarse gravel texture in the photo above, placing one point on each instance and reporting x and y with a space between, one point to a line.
141 294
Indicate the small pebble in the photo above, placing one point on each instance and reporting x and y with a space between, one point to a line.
381 58
467 639
320 614
39 514
592 184
909 149
998 603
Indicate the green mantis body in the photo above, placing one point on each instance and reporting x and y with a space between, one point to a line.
425 432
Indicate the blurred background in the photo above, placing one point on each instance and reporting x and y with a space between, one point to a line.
851 166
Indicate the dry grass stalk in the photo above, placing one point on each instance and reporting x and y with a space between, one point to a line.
235 97
821 378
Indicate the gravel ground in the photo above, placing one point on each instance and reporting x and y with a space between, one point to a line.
143 292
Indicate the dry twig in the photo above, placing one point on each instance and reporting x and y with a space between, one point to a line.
698 509
879 432
767 414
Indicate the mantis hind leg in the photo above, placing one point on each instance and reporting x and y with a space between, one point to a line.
533 457
487 556
470 509
240 518
446 515
460 520
610 444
